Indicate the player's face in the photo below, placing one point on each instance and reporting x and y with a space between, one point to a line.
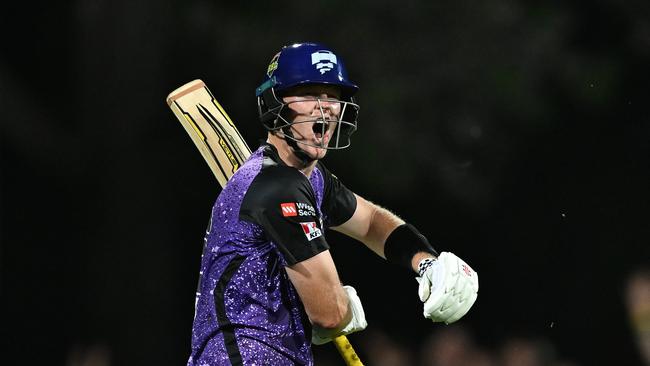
316 110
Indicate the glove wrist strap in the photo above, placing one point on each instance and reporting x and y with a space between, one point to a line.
403 243
424 265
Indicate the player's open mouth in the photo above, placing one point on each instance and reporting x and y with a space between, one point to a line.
319 138
319 127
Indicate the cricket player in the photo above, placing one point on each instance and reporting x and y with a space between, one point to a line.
268 287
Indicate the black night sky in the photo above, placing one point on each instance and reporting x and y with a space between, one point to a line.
515 134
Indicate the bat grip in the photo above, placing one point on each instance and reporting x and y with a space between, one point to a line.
347 352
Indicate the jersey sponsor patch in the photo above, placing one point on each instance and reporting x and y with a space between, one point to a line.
297 209
311 230
305 209
288 209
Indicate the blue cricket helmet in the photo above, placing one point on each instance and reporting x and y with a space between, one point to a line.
306 63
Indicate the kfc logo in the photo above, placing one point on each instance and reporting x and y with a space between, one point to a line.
311 230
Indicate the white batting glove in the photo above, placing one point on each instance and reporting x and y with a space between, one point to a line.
448 288
358 322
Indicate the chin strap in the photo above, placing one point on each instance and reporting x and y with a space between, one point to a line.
297 151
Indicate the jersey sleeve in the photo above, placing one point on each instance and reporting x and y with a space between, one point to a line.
281 200
339 203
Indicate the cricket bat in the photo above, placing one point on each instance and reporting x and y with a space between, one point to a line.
224 149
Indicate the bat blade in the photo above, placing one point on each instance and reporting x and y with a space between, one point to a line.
210 127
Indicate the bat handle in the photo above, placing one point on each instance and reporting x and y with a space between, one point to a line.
347 352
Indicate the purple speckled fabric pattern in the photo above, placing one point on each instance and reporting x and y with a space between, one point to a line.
318 183
261 307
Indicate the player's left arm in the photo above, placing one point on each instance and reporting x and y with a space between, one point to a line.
448 286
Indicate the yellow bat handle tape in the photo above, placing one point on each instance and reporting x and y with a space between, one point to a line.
347 352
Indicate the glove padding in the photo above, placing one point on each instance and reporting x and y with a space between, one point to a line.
448 288
358 322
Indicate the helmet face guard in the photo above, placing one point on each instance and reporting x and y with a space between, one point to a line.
334 128
308 64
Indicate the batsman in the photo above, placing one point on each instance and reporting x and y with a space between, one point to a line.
268 286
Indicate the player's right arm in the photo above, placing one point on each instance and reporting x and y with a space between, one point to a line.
332 309
281 200
320 290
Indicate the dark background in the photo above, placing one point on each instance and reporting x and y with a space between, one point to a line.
515 134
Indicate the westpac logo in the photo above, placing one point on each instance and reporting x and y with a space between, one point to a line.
324 61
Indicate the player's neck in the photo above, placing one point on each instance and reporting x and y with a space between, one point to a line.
288 156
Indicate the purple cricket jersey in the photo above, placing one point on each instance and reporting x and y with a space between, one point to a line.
268 216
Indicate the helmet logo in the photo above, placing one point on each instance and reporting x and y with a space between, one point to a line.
273 65
318 57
